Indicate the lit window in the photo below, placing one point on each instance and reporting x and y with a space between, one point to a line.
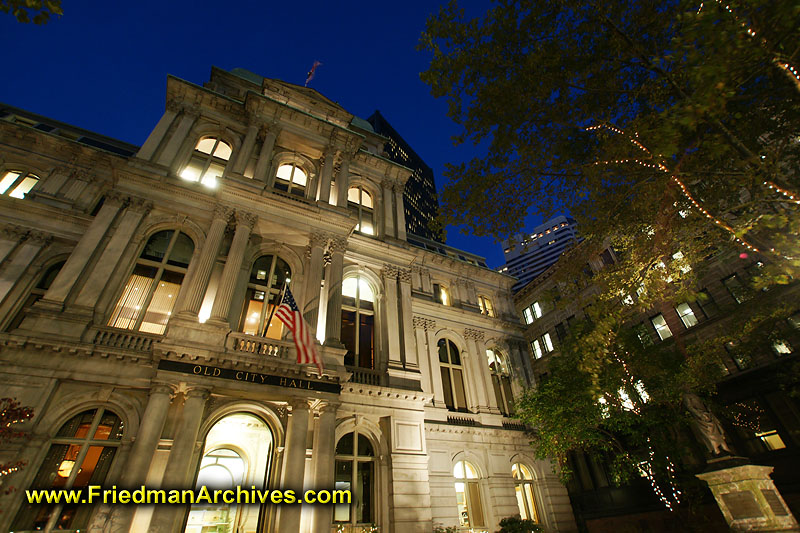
208 162
268 277
523 486
355 472
661 326
486 306
455 397
80 454
547 343
361 200
16 183
536 348
771 440
501 380
687 315
148 298
468 496
292 179
734 285
358 322
440 294
536 309
527 315
781 347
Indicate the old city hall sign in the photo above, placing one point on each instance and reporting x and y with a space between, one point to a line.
250 377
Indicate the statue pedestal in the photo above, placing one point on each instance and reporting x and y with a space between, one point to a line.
747 496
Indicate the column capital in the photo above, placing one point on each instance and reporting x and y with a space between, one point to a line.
13 233
196 391
39 238
389 271
113 197
476 334
267 129
424 323
298 403
328 408
387 183
139 205
338 244
399 187
318 239
163 388
246 218
222 212
404 275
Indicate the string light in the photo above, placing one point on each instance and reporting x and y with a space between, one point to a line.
788 194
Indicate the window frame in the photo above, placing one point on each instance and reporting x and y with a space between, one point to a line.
529 509
547 343
473 483
486 306
18 183
355 459
207 159
360 310
665 325
362 210
292 188
263 328
500 372
690 313
449 367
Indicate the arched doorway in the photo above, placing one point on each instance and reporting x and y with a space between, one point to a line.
237 452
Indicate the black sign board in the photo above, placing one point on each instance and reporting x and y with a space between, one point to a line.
249 377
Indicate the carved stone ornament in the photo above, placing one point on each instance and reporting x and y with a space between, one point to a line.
423 323
389 271
404 275
338 244
387 184
139 205
222 212
13 233
39 238
246 218
318 239
113 197
476 334
174 106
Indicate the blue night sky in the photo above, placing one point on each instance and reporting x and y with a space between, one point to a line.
103 65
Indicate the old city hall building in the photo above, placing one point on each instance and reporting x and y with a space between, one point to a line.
137 294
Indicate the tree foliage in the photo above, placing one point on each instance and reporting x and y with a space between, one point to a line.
36 11
670 129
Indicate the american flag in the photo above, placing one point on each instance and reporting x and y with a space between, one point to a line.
290 314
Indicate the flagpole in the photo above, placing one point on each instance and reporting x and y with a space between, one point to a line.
274 308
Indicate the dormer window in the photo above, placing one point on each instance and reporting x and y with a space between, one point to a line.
361 200
292 179
208 161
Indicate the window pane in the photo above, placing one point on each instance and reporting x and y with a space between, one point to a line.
214 171
527 315
364 492
686 314
109 428
23 188
455 355
285 172
498 393
707 303
365 291
348 336
660 324
133 296
350 287
447 388
366 199
475 505
299 177
537 310
160 308
192 171
366 335
157 245
531 502
737 290
537 349
182 251
206 145
458 387
345 445
223 151
523 509
461 502
254 304
343 480
366 226
547 342
8 179
364 447
506 382
443 355
353 195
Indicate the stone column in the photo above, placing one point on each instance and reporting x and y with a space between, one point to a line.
389 273
246 150
388 207
269 133
294 464
327 174
10 237
433 359
65 280
411 361
333 321
401 214
200 270
21 260
173 145
157 135
343 181
107 263
144 448
176 473
476 381
420 328
233 265
324 460
483 372
311 292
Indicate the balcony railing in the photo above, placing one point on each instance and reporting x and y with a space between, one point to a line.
125 339
250 344
364 376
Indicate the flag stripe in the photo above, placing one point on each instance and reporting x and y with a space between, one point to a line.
290 314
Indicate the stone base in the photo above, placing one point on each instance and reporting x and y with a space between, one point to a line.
747 496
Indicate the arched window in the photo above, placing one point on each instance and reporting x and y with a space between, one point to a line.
523 485
148 298
291 178
355 471
501 380
80 455
37 292
468 495
361 200
452 376
268 277
358 322
237 452
208 161
486 306
17 183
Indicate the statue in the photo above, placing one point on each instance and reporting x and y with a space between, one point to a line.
707 424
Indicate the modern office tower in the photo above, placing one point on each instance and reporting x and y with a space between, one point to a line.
419 197
138 296
531 253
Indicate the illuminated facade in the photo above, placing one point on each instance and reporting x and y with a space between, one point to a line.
137 295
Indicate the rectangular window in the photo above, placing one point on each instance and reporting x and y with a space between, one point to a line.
707 304
687 315
781 347
537 310
738 291
660 324
536 348
527 315
741 359
561 331
547 343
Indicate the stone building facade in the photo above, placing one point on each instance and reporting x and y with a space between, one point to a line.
137 295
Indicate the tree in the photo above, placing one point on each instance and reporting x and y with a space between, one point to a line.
11 413
671 129
38 11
